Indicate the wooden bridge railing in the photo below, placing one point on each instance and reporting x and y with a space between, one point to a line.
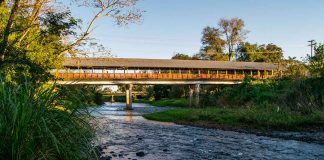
157 76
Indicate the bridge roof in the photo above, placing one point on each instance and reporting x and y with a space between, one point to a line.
166 63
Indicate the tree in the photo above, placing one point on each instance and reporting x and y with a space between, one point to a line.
249 52
272 53
213 44
316 63
39 33
295 69
259 53
212 40
227 36
234 32
181 56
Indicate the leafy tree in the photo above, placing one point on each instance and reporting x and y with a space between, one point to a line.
249 52
272 53
316 63
181 56
233 30
227 36
295 69
37 34
201 56
212 40
259 53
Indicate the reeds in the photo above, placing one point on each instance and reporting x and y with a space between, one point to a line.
43 122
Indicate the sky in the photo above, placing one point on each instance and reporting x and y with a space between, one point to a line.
175 26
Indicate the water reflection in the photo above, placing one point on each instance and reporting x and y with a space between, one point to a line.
129 116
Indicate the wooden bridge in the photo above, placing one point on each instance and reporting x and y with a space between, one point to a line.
106 71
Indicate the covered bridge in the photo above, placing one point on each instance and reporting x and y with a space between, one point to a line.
99 69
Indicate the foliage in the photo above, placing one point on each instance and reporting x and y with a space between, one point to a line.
42 32
316 65
227 36
170 102
300 95
259 53
161 91
212 41
181 56
295 68
89 95
234 32
43 122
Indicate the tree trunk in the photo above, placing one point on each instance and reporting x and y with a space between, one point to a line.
6 32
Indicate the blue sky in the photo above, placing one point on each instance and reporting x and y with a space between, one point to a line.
171 26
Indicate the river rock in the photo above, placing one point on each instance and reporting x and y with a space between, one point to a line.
165 150
140 154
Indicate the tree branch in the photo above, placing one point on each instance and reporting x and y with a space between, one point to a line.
35 13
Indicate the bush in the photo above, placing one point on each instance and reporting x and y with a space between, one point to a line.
42 122
300 95
87 94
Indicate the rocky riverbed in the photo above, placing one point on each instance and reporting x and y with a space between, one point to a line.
127 135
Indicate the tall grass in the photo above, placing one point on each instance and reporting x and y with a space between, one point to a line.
43 122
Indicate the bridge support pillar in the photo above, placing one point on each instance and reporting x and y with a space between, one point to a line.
197 92
112 99
194 91
129 98
191 91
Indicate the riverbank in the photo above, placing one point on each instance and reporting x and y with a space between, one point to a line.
173 102
257 121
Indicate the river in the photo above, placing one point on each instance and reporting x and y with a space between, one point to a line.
127 135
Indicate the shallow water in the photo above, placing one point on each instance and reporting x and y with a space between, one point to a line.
122 134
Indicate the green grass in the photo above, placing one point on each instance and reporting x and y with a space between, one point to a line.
43 122
175 102
257 118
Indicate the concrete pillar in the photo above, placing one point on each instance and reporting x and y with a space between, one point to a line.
191 91
129 98
112 99
197 91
